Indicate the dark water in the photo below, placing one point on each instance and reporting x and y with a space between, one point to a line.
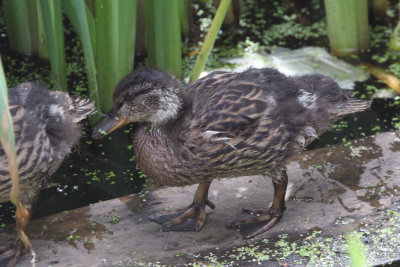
96 171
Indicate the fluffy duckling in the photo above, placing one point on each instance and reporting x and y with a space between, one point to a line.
224 125
46 127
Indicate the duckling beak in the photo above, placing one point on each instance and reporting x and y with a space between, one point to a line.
107 125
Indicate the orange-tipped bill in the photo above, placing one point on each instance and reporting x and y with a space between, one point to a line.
107 125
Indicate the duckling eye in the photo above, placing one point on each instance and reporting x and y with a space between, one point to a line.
130 95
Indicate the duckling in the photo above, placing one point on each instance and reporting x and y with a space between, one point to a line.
224 125
46 127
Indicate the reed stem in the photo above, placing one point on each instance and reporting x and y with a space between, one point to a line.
163 35
7 138
83 22
347 22
53 25
19 25
115 43
210 39
43 51
184 17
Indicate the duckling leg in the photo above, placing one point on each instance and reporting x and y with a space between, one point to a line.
23 218
195 210
270 216
12 252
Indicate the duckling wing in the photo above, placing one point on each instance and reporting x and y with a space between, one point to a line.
233 111
34 155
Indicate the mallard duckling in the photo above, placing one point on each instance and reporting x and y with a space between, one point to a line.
224 125
46 127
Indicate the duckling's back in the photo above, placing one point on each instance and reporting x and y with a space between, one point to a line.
45 129
251 122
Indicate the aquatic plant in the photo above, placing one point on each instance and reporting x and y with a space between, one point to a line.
347 23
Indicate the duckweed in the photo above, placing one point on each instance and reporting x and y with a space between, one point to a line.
115 219
381 241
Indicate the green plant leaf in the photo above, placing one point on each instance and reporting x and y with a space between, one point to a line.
115 43
21 21
163 35
356 251
83 22
52 18
210 39
7 138
347 23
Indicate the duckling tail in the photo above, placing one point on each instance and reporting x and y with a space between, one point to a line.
82 108
353 106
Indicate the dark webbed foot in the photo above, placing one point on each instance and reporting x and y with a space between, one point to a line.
256 221
180 219
10 253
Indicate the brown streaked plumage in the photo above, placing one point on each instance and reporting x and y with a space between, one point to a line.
224 125
45 129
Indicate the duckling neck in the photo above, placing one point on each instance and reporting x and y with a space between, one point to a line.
158 152
169 109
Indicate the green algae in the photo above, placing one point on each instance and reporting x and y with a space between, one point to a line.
381 241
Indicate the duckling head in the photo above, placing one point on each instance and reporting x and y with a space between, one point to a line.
148 95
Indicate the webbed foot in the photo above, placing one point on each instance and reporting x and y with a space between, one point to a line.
181 219
10 253
255 221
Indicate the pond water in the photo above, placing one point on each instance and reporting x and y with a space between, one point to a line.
105 169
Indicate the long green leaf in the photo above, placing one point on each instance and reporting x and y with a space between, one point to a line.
115 43
210 39
33 24
7 137
83 22
90 5
20 24
356 251
184 7
347 23
8 144
52 17
43 51
75 12
163 35
394 42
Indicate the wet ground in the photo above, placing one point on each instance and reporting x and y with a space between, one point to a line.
332 191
